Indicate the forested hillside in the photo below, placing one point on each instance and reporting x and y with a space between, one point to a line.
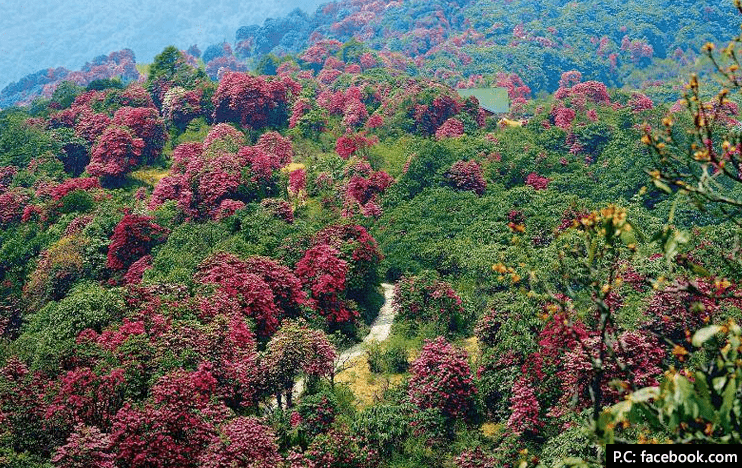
179 251
642 44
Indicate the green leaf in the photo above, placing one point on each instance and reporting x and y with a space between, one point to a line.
706 409
728 398
662 186
704 334
644 394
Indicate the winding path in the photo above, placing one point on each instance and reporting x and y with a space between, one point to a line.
380 329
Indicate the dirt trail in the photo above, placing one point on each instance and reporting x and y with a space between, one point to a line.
380 329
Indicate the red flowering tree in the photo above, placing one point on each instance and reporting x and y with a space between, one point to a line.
180 106
636 363
467 175
451 128
426 299
242 442
252 294
273 143
337 449
324 273
174 427
87 446
133 237
117 152
213 178
351 144
253 101
281 209
294 350
84 397
537 182
136 270
365 186
146 124
358 249
90 125
12 204
286 287
441 379
525 408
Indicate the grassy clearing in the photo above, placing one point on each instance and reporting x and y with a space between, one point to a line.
367 387
149 175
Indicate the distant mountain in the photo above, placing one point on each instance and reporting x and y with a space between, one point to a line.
463 40
467 43
43 83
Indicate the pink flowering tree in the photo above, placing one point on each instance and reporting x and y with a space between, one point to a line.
467 175
252 101
441 379
243 441
293 351
145 123
424 299
117 152
133 238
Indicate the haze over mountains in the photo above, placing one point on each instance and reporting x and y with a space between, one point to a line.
37 34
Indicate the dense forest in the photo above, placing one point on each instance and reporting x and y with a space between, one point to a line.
190 248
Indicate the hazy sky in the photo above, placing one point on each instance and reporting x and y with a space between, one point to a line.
37 34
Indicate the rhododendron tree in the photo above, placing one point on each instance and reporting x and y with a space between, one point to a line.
12 204
133 237
365 186
279 208
180 106
525 409
375 121
425 299
356 247
227 208
252 293
58 192
117 152
84 397
273 143
294 350
146 124
87 446
136 270
297 181
686 305
338 449
213 178
324 273
451 128
286 287
242 442
253 101
174 427
441 379
90 125
636 364
537 182
467 175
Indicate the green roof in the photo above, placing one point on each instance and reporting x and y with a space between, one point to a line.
494 100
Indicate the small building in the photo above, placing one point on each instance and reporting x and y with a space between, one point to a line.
492 100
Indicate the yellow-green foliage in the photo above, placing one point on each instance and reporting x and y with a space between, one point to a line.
143 69
149 175
58 268
393 155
